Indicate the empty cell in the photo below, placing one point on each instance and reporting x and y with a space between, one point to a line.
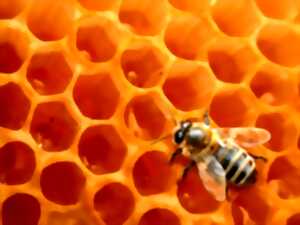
101 149
159 216
231 108
49 72
14 106
98 38
230 61
143 65
144 116
17 163
11 8
197 7
13 49
62 182
293 219
96 95
283 131
189 86
98 5
51 20
287 175
152 173
144 17
273 85
193 196
195 35
279 43
115 203
53 127
21 209
236 18
277 9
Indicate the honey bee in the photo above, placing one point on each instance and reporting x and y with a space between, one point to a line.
219 154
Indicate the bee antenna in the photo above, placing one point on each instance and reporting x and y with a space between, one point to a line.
162 138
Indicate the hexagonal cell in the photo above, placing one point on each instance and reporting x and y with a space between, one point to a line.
101 149
115 203
54 24
152 173
287 175
98 5
25 206
277 9
144 17
279 43
184 82
159 216
246 12
232 108
293 219
196 7
17 163
230 61
144 116
49 73
62 182
11 8
185 45
193 196
14 106
13 49
283 131
143 64
53 127
96 95
273 85
77 216
97 39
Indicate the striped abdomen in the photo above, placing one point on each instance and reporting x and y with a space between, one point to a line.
238 165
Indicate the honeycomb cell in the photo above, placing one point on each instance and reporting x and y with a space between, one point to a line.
96 95
197 7
231 61
49 73
144 116
97 39
273 85
283 131
287 175
231 108
294 219
152 173
115 203
279 43
144 17
143 65
193 196
62 182
53 127
236 18
184 82
101 149
51 25
21 209
14 106
13 49
159 216
195 35
11 8
98 5
277 9
17 163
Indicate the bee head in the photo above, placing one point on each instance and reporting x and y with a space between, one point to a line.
180 133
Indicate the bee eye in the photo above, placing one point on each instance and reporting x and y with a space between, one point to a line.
178 136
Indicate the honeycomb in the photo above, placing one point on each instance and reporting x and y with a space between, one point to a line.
87 85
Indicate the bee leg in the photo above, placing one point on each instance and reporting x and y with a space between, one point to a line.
258 157
187 169
227 192
206 118
177 152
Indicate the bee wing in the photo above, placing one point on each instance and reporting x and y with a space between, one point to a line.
247 137
213 177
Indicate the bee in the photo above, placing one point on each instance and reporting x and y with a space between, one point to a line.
219 154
